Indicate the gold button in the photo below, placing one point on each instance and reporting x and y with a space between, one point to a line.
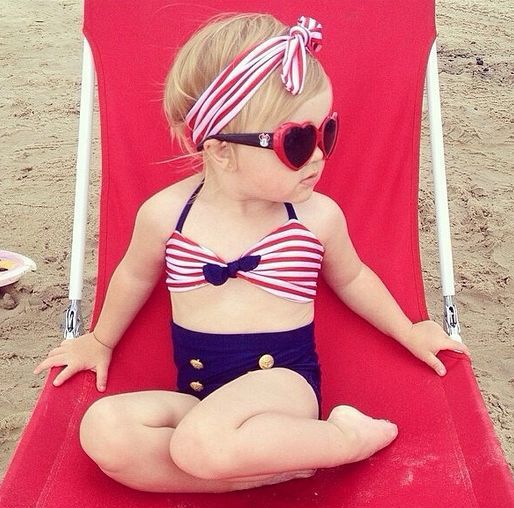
196 363
196 386
266 362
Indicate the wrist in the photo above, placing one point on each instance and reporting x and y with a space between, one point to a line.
101 341
402 334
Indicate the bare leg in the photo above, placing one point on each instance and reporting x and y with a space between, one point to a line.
154 471
262 423
128 436
290 442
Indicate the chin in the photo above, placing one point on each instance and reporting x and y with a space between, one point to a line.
303 196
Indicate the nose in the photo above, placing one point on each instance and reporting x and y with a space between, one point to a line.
317 155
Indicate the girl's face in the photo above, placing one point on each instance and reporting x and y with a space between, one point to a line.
264 176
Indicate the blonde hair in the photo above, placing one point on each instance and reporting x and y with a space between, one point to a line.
208 51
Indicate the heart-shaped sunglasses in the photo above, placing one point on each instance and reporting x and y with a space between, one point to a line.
293 143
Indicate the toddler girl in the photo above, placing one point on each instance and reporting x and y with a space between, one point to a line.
247 98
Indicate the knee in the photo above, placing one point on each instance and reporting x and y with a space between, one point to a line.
200 451
102 435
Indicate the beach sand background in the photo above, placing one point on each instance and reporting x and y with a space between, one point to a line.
40 55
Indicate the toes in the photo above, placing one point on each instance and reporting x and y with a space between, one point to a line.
390 429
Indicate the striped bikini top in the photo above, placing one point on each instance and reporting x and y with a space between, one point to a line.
286 262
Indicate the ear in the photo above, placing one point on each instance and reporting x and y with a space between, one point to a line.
220 153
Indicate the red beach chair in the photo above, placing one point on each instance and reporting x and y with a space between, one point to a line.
376 53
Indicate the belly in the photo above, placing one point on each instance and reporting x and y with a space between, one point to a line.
237 307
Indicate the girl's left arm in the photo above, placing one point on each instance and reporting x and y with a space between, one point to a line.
362 291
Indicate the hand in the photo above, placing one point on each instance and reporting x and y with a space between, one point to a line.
81 353
426 339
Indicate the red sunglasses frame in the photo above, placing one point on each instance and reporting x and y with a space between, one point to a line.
276 140
280 134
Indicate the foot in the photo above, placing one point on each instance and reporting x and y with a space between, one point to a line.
364 435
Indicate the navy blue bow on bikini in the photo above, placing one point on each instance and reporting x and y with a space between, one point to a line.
218 275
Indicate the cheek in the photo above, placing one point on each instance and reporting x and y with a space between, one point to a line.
266 175
259 162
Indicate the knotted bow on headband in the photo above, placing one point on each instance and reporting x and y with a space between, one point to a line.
218 275
239 81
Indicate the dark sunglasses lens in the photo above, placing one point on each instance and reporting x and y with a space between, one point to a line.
330 135
299 144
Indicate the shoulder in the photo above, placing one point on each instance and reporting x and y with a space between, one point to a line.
161 211
325 204
322 215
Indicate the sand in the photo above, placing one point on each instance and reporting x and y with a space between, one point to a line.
40 53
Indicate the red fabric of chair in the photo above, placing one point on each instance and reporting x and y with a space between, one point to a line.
376 54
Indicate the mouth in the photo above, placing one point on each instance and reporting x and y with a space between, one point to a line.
311 178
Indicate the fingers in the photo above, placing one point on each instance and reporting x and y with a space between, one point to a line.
101 378
60 349
56 361
69 371
459 347
64 375
76 356
56 351
53 361
436 364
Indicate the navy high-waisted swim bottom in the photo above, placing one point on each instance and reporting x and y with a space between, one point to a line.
206 361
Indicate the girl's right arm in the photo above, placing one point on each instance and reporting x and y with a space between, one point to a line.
130 286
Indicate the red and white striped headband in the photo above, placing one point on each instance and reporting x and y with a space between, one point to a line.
237 84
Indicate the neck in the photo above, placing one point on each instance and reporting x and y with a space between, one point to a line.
224 191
